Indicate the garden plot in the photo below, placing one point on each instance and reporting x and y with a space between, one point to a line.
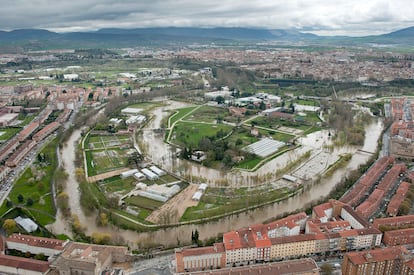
108 160
104 142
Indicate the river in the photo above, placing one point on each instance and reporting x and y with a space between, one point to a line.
166 159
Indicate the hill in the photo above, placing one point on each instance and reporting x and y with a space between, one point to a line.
112 37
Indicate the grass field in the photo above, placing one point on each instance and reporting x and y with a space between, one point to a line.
8 133
190 134
179 115
116 184
143 202
207 114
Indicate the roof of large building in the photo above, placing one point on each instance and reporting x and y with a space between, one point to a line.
23 263
394 221
290 221
376 255
217 248
37 241
301 266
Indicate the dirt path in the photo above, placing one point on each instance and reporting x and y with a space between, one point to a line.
171 211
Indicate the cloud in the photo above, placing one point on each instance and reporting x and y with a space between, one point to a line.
339 16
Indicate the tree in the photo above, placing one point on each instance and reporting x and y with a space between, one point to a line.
20 198
40 257
136 158
90 96
9 203
262 105
326 268
10 226
101 238
103 219
220 100
29 202
196 236
63 203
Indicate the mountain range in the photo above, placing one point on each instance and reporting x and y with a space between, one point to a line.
112 37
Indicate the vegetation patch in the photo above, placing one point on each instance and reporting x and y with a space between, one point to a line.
32 191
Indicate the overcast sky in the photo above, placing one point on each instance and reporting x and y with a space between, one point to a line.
327 17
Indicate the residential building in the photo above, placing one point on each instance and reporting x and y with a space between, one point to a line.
20 153
305 266
28 130
211 257
399 237
397 199
8 148
394 222
289 226
384 261
46 131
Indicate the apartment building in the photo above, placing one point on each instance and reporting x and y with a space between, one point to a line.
8 148
20 153
289 226
394 222
399 237
46 131
27 131
390 260
397 199
293 246
335 227
201 258
298 267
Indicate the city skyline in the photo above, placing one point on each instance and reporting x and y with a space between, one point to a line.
352 18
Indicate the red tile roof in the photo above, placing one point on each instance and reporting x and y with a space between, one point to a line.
23 263
37 241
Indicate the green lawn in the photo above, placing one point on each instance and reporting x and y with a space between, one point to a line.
143 202
207 114
180 114
306 102
190 134
116 184
249 164
8 133
105 160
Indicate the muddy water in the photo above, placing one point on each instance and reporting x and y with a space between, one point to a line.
165 156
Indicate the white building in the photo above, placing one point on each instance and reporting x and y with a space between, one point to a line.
128 173
135 119
157 171
149 174
70 77
26 223
203 187
131 111
197 196
139 176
